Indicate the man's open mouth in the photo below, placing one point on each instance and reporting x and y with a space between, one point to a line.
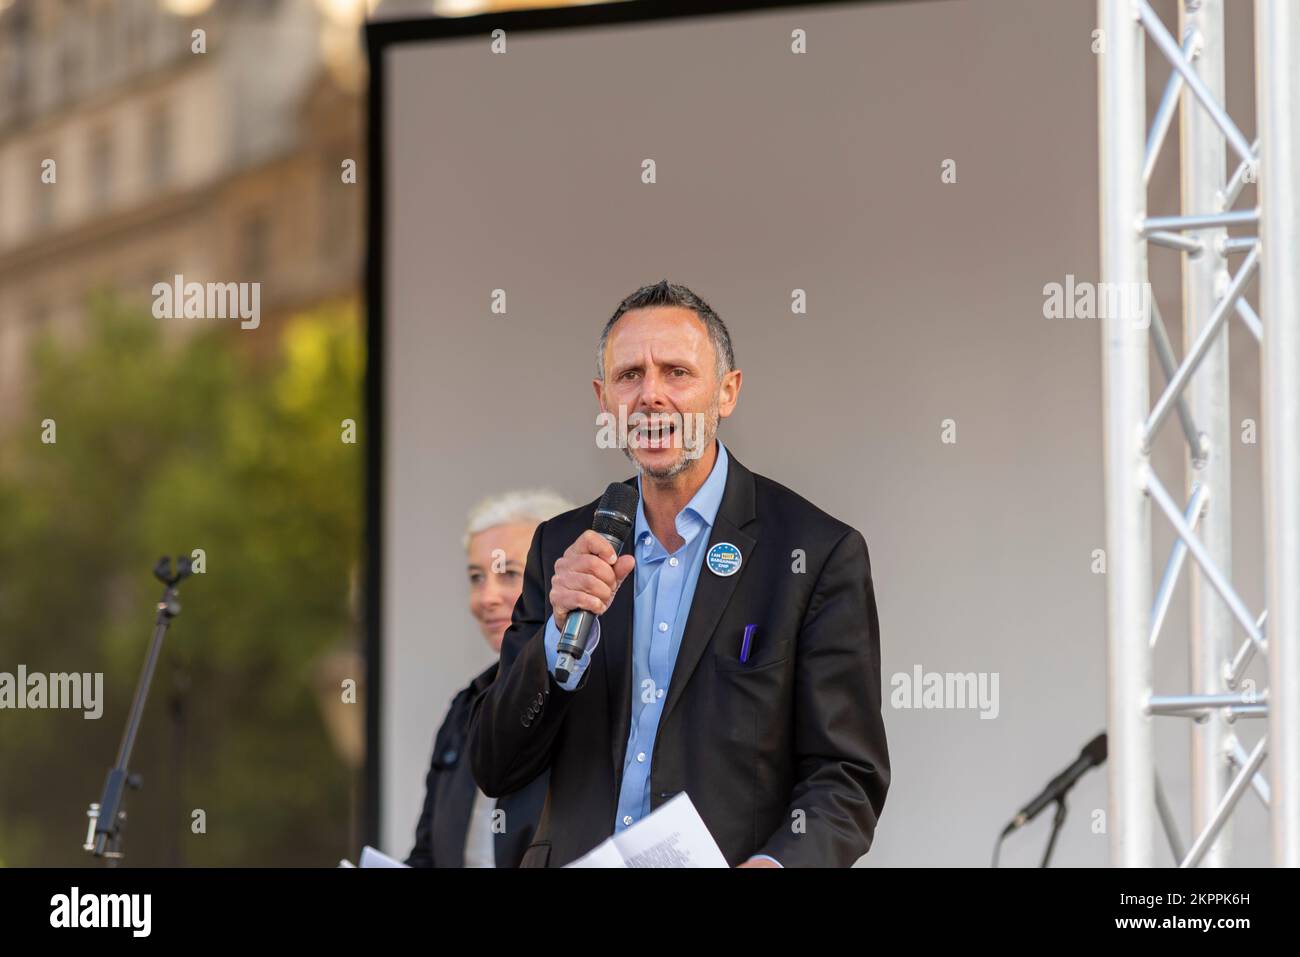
655 434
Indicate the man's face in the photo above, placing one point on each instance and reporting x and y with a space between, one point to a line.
660 361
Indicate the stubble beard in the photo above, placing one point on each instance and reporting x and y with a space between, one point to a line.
684 461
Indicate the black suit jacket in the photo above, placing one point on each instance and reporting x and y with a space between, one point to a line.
783 755
449 796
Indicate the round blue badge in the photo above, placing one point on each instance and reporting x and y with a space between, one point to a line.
723 559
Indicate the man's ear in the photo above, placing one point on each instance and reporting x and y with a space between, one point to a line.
729 393
598 386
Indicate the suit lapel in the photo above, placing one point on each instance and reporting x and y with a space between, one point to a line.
616 640
712 596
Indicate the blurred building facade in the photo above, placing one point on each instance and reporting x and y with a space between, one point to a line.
133 148
130 153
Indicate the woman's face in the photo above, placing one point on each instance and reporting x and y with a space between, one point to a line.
496 576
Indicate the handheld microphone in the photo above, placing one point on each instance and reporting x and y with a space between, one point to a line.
615 516
1092 755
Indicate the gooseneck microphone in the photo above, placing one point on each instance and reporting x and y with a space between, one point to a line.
615 516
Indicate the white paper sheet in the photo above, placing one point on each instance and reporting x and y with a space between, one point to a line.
673 835
373 858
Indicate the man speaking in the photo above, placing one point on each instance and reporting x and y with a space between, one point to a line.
740 663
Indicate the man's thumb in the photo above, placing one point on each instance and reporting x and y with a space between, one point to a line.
623 567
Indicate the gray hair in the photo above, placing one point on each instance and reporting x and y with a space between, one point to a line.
665 293
526 506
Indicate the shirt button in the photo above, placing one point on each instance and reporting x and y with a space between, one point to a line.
660 693
673 562
663 626
641 756
627 819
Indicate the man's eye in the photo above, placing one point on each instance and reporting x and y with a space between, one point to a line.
476 578
627 375
511 574
680 372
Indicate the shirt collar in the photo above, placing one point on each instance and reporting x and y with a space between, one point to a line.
703 506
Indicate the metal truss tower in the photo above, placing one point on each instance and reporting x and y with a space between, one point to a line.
1217 269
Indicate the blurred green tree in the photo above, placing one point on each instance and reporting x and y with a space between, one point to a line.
170 440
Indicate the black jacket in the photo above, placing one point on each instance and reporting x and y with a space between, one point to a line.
782 755
449 796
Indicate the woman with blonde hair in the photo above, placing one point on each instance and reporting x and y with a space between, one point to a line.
456 826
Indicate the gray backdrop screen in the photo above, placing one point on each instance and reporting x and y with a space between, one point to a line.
777 172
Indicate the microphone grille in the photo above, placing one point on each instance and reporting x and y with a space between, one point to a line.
616 512
1095 750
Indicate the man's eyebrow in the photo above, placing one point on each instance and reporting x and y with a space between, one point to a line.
513 561
638 365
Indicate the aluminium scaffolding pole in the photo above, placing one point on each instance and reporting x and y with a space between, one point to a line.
1277 98
1203 155
1197 387
1122 87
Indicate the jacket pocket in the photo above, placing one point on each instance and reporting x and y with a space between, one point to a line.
762 657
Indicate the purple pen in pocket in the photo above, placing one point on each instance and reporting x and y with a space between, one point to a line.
745 643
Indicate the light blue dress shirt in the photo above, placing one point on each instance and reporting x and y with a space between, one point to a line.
664 587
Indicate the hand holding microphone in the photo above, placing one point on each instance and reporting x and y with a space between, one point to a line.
587 576
589 572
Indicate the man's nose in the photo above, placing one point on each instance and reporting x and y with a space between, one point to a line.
652 390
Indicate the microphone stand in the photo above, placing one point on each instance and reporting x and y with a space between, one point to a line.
1093 755
1058 819
108 816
